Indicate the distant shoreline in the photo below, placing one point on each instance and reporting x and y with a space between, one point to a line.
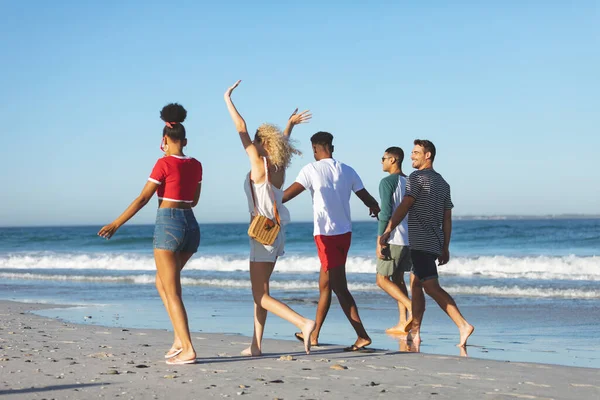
455 217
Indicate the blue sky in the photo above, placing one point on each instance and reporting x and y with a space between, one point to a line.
508 91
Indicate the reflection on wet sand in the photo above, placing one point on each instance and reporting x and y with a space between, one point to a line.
412 347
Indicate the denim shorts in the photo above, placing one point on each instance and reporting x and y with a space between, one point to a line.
176 230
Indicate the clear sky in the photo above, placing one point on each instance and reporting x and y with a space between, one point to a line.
509 92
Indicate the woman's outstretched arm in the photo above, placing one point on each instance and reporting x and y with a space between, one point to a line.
240 124
147 192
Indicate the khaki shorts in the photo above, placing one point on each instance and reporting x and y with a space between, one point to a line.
397 260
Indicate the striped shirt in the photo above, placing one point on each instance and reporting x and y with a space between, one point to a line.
432 197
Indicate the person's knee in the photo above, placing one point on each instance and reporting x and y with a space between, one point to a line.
340 289
380 280
260 299
415 284
324 286
431 287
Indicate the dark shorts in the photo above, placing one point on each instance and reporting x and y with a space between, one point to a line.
423 264
176 230
333 250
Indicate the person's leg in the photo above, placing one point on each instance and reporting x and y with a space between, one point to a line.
446 302
397 290
418 308
260 273
324 290
183 258
339 285
390 279
322 306
168 265
405 310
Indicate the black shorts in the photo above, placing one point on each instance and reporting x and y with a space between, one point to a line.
423 264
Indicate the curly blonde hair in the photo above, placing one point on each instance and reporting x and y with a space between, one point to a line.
280 148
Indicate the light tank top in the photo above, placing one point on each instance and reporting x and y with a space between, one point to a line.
264 194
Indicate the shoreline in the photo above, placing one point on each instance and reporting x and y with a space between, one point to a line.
46 358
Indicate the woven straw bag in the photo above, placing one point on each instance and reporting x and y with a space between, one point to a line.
263 229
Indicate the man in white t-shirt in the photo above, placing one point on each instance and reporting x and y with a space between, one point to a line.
331 183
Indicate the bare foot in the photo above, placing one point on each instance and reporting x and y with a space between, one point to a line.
250 352
307 331
395 330
463 351
362 342
313 341
465 332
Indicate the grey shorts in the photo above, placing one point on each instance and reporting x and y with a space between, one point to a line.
397 260
262 253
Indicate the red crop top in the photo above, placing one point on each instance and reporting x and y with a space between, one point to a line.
178 178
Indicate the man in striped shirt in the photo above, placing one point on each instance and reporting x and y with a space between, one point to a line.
429 207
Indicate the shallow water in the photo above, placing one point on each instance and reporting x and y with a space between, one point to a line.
531 288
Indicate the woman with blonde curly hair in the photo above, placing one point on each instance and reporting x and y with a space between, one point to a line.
270 153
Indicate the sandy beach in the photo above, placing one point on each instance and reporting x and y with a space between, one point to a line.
44 358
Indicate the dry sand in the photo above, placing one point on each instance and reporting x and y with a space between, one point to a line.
42 358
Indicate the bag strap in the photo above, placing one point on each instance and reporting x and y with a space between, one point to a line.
275 211
252 191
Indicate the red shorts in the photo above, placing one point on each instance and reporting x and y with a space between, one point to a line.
333 250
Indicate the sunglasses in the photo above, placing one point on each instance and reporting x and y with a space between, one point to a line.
384 158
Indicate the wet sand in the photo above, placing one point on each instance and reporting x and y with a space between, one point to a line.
44 358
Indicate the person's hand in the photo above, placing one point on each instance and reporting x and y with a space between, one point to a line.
374 211
379 250
108 231
230 90
301 118
383 239
444 258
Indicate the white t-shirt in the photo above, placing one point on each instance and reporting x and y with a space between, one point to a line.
399 236
330 183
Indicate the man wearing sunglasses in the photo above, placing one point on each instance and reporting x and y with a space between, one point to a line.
393 259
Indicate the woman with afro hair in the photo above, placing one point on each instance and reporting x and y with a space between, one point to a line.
177 179
270 153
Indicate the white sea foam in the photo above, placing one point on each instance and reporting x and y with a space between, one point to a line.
539 267
298 285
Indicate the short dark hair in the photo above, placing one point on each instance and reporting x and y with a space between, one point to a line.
427 146
396 152
323 138
174 114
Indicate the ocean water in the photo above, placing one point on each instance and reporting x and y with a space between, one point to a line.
530 287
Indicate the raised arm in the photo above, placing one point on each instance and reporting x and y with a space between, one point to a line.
296 119
240 124
109 230
369 201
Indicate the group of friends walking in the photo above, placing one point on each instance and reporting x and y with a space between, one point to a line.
414 229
